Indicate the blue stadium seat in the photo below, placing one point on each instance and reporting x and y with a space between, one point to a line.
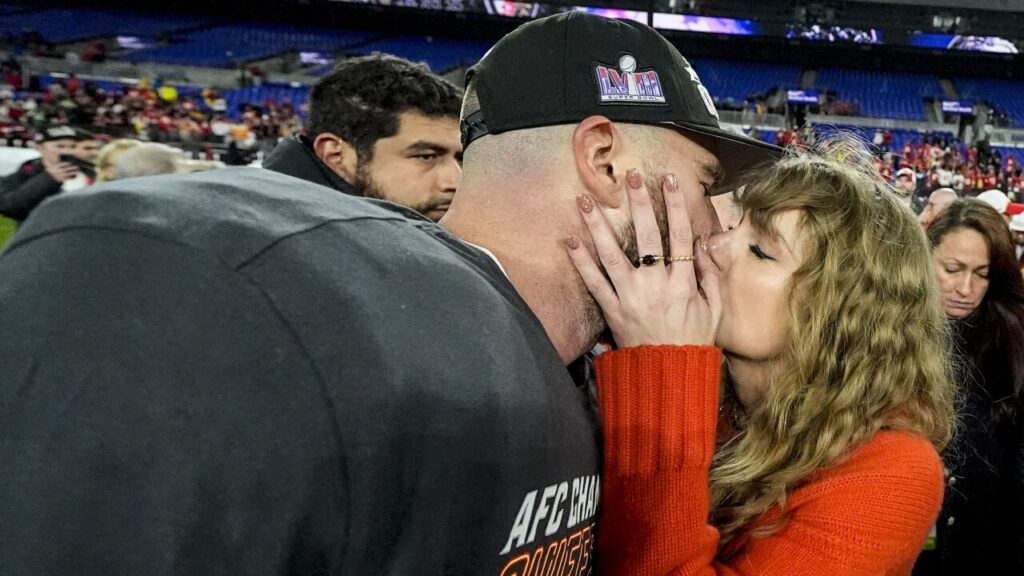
226 46
1005 95
1006 151
105 85
440 54
296 96
61 26
769 136
14 8
895 95
728 80
116 86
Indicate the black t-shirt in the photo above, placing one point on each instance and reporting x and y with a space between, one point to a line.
239 372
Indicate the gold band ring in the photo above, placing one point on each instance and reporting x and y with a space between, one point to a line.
672 259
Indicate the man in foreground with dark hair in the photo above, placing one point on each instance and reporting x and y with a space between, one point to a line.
380 127
237 372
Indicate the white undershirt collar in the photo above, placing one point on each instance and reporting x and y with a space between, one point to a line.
492 256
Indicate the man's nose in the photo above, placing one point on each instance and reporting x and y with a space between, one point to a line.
715 224
449 175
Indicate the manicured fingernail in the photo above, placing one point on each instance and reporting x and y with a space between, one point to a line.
671 184
586 203
572 242
633 179
704 241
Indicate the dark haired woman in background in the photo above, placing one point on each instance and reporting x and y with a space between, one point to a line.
981 527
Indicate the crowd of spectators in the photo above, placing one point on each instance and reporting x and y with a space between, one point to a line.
935 161
150 111
941 162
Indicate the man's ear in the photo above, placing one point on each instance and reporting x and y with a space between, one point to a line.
597 146
338 154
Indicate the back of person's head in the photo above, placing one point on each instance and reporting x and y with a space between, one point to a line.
938 201
993 335
867 344
147 159
152 159
106 158
361 100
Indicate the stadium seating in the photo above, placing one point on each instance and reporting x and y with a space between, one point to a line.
727 80
235 99
769 136
895 95
118 86
203 41
14 8
1007 151
105 85
60 26
1005 95
226 46
440 54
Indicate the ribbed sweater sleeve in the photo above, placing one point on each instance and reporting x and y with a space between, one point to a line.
659 408
867 515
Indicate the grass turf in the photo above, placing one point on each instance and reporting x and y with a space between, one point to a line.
6 230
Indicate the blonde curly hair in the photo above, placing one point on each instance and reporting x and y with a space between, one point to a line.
868 345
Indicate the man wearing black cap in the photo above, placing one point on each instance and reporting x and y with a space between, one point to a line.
41 178
268 377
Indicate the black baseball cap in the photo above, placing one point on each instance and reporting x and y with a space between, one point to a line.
56 133
83 135
564 68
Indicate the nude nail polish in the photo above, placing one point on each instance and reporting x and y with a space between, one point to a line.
586 203
671 183
633 179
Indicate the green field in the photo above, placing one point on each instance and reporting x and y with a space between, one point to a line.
6 229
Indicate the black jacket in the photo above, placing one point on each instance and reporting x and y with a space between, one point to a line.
980 529
238 372
294 156
25 189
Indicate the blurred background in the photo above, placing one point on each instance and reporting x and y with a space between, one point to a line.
937 87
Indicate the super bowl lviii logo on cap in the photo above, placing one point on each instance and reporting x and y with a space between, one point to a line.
624 85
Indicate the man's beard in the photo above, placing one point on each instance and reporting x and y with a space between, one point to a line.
367 188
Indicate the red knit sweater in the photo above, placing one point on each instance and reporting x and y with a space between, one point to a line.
867 515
